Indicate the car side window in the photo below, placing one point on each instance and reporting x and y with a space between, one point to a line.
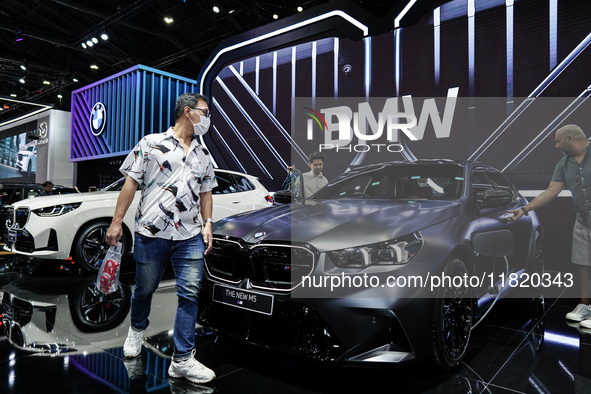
242 184
30 193
225 184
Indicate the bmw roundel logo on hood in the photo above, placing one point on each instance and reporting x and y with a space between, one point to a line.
98 119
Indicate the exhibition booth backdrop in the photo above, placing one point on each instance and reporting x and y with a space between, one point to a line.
486 80
35 149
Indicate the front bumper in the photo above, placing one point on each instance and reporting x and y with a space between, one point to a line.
359 331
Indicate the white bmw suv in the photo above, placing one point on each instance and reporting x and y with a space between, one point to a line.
74 225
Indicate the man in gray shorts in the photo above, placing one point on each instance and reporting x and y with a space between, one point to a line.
574 172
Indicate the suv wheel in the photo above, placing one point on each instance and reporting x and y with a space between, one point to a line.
89 247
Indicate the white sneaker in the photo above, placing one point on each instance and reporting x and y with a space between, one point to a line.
191 370
133 343
580 313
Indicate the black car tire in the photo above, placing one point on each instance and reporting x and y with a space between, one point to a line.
29 168
453 318
89 246
94 311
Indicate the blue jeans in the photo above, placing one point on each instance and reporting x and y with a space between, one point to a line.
151 256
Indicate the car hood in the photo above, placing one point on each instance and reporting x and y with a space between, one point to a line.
334 224
47 201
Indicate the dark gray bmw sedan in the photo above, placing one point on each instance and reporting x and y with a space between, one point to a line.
388 263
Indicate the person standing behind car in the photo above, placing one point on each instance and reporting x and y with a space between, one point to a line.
314 180
47 189
574 172
176 178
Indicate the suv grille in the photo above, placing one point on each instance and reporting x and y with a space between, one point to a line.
21 216
268 266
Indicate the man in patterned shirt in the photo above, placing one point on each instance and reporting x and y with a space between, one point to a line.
176 178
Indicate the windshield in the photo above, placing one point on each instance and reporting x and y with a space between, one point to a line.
405 181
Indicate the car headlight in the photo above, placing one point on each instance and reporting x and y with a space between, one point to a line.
56 210
397 251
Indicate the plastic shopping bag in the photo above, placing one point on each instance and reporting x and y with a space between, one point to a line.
107 280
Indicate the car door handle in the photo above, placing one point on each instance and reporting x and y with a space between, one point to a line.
235 202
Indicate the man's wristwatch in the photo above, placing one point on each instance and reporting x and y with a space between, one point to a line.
210 220
525 211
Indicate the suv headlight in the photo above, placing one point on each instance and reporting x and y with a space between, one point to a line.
56 210
397 251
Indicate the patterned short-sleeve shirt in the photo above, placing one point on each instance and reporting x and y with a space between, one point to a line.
170 185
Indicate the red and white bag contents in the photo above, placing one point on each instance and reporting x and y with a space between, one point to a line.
107 280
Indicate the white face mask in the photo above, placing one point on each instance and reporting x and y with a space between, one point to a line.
202 127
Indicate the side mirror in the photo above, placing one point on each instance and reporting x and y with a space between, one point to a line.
291 190
491 198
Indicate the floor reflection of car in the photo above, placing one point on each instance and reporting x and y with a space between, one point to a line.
27 159
349 275
56 227
53 315
68 317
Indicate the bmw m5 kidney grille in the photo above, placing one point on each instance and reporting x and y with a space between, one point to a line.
267 266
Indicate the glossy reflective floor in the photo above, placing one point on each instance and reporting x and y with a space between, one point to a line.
58 309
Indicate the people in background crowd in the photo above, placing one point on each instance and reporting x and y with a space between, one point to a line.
47 189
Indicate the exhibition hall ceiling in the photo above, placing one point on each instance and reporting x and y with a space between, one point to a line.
49 37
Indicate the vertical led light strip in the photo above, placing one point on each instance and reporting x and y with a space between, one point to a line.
293 84
314 69
368 62
241 68
437 44
275 83
509 21
471 13
397 33
257 66
336 66
553 33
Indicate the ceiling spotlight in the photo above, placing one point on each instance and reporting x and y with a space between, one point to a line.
46 83
84 45
89 43
12 95
231 11
275 16
168 20
19 36
216 9
300 9
94 67
74 79
104 36
24 65
94 39
59 96
22 80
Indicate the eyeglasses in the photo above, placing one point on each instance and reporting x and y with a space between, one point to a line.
204 111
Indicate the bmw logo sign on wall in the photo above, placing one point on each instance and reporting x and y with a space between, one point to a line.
98 119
